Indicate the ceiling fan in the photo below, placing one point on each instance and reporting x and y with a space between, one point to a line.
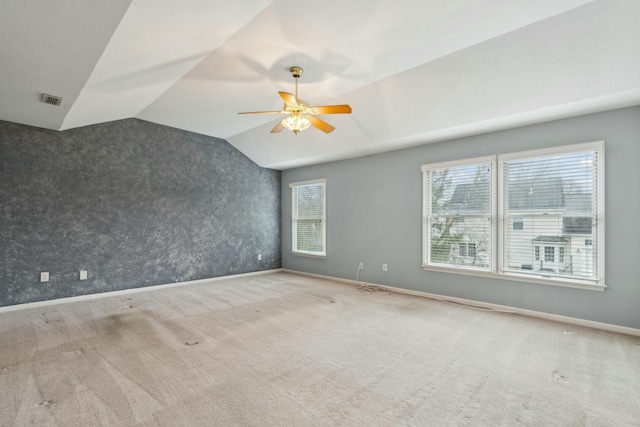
301 115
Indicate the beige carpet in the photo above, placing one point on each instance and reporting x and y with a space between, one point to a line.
285 350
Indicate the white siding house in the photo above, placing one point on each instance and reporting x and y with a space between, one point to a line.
546 228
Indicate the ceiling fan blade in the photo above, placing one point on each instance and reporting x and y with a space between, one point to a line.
288 99
332 109
279 127
262 112
321 124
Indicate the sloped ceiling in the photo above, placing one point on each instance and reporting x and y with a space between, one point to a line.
414 72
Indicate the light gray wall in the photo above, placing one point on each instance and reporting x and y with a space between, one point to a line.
134 203
374 216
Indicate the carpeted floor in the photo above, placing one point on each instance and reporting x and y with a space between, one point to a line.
286 350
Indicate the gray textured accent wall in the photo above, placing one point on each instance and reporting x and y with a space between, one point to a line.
374 216
134 203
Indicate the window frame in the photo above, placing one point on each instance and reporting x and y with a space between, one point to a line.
498 219
426 212
294 231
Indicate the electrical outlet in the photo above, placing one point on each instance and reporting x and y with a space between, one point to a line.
384 267
259 257
44 276
83 274
361 266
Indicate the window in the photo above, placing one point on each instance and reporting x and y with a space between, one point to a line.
467 250
308 218
458 208
518 223
463 249
549 254
558 192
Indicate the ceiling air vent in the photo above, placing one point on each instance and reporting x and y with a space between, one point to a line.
50 99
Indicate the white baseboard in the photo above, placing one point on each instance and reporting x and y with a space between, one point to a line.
129 291
505 308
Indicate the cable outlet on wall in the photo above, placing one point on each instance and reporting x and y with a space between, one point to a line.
361 266
44 276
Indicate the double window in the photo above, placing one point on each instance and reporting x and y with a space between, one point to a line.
468 249
308 214
527 215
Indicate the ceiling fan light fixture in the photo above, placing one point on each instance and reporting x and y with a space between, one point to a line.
296 122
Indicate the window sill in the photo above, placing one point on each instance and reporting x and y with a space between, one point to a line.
309 255
550 281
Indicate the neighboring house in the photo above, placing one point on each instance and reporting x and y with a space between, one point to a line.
470 231
547 227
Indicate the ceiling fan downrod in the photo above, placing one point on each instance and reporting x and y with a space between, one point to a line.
296 72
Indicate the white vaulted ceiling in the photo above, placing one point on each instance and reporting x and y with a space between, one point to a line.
414 72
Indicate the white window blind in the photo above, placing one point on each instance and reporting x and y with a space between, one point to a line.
558 194
308 214
458 214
